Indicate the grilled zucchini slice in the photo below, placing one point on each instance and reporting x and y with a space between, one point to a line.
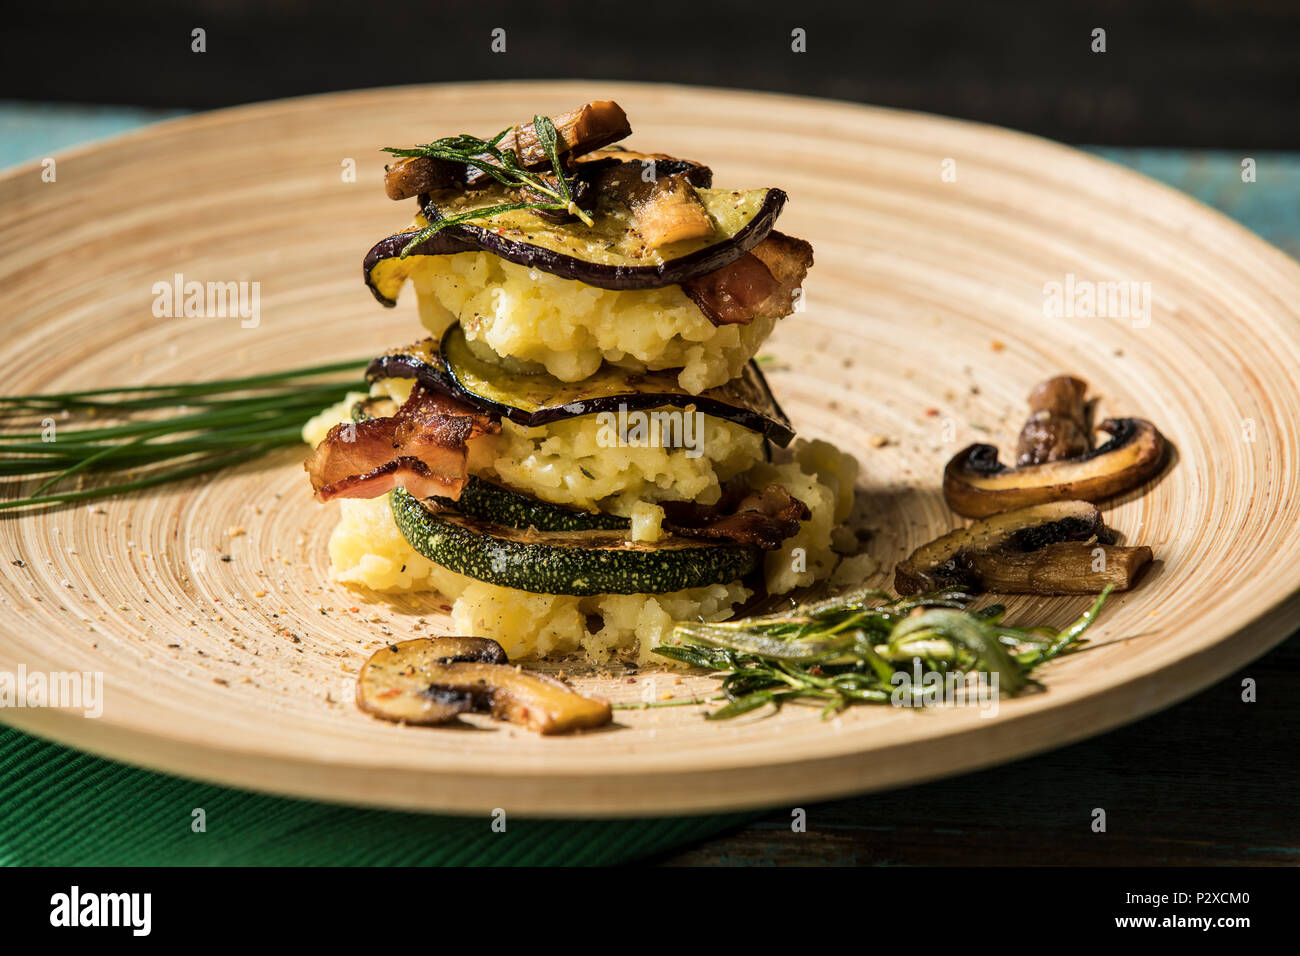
580 563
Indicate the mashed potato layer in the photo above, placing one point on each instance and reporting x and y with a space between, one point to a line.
366 549
570 327
822 477
571 463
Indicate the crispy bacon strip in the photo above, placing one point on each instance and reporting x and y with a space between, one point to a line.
421 448
762 518
761 282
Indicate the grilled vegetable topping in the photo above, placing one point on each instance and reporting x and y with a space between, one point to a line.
538 398
664 208
578 131
414 175
697 174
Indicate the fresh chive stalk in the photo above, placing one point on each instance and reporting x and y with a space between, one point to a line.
156 433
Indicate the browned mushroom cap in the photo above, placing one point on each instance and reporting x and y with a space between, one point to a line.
394 683
414 175
431 681
1062 547
976 484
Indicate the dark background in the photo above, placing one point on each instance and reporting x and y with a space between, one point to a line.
1200 73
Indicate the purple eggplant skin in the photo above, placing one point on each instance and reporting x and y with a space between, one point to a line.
621 278
430 370
468 237
697 174
425 366
442 243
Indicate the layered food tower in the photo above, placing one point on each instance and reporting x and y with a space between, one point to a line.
582 450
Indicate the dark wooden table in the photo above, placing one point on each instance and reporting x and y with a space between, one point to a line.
1213 780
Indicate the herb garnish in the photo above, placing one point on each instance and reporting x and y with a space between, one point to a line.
847 649
163 433
502 165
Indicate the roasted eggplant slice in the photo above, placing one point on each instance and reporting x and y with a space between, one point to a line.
609 255
976 484
433 680
538 398
697 174
1043 549
385 271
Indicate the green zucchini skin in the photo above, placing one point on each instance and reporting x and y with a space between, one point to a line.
577 563
489 501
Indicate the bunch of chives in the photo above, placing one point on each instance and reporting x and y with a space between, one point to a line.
161 433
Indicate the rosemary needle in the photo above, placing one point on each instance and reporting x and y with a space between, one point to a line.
502 165
859 647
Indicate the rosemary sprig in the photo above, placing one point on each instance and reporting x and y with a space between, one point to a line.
865 647
157 433
502 165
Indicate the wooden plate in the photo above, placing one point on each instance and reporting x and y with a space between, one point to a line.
925 324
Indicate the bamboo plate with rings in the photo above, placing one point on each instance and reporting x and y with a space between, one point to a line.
925 323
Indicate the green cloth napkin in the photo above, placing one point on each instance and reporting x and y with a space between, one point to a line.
59 807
